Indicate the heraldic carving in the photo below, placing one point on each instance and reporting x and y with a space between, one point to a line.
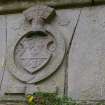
39 52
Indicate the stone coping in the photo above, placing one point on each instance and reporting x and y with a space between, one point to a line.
14 6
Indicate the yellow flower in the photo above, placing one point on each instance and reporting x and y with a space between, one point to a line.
30 98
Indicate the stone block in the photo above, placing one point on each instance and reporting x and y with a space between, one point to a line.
86 71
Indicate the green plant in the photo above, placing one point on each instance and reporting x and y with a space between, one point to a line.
39 98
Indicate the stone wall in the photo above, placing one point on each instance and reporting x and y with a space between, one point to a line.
76 47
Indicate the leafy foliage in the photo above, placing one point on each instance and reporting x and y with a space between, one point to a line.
40 98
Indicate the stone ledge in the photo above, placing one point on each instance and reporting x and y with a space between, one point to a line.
54 2
13 100
17 6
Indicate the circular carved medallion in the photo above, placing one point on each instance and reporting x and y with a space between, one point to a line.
40 52
37 55
34 50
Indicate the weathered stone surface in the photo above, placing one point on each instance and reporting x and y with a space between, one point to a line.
22 5
2 45
58 2
13 100
65 22
86 71
16 27
11 84
48 67
38 15
13 103
69 2
33 53
94 102
40 11
99 1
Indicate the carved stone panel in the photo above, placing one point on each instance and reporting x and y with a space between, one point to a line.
35 58
35 54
